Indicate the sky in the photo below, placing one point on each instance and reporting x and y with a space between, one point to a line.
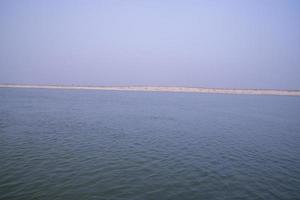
213 43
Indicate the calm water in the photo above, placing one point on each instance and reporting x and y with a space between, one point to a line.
64 144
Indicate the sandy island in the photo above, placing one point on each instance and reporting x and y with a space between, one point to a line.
162 89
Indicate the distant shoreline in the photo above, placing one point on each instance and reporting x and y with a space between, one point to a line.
162 89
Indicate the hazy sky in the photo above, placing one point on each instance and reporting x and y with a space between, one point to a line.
247 44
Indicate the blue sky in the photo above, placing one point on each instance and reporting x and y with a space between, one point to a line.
232 43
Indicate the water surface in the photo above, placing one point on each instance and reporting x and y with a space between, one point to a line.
78 144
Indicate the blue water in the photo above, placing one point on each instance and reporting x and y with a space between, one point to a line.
79 144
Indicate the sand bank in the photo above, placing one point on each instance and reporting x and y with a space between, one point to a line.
163 89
